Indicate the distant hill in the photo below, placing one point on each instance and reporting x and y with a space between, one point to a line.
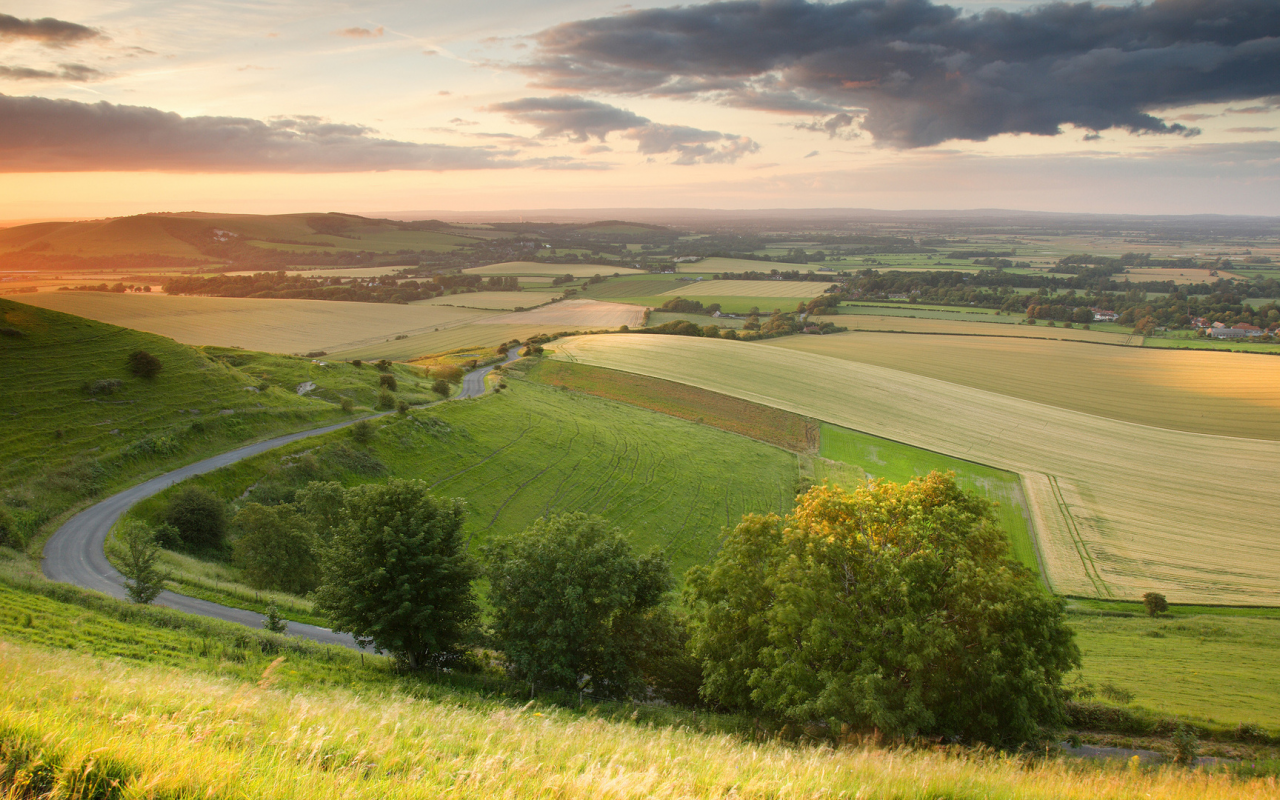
161 241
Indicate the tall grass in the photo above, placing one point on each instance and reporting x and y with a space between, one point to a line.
167 733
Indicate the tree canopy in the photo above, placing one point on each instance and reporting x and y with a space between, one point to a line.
570 601
895 607
396 574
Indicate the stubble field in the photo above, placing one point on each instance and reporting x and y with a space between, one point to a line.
969 327
535 268
1203 392
789 289
1119 508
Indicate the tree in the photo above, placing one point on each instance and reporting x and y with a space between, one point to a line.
137 554
1155 604
895 607
388 381
386 399
276 549
441 388
363 431
568 597
274 622
143 364
396 574
199 515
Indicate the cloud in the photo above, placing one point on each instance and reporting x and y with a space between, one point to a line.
811 155
1250 130
42 135
836 127
67 72
926 73
48 31
580 120
360 33
575 117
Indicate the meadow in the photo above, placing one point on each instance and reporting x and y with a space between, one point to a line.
928 312
1202 392
532 450
766 289
575 314
1118 509
164 733
276 326
62 439
536 268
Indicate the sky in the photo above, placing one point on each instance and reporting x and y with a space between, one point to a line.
118 107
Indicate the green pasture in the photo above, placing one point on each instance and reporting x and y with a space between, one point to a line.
888 460
929 312
1206 343
63 440
702 320
333 380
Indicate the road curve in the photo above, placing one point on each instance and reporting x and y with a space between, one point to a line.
75 553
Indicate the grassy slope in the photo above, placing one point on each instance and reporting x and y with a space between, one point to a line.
59 444
553 270
186 706
1228 395
1116 511
534 450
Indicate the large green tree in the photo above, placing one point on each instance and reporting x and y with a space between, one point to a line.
277 548
570 599
396 574
896 607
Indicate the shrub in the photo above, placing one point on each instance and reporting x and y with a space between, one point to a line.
383 365
274 622
104 386
441 388
357 363
9 536
362 431
348 405
1116 694
402 406
143 364
448 373
199 515
1155 603
276 549
386 399
137 553
1186 744
388 382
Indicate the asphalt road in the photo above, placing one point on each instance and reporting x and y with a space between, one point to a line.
75 553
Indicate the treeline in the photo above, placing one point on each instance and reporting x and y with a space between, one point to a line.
782 275
954 639
365 290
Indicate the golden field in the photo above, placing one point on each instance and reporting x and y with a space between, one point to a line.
877 322
1119 508
1228 394
273 326
163 732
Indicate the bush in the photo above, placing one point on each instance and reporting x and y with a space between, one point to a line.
1155 603
357 363
383 365
143 364
276 549
200 517
9 536
448 373
348 405
362 431
1186 744
441 388
386 399
274 622
137 553
388 382
402 407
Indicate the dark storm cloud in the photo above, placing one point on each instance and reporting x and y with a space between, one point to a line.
42 135
926 73
66 72
580 119
47 31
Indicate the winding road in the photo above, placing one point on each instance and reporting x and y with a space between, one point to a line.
75 553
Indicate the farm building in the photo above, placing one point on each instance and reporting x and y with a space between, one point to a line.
1103 315
1228 333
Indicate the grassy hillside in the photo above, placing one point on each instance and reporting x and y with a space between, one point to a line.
68 431
1119 509
521 454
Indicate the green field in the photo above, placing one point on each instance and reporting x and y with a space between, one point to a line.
533 450
537 268
377 241
61 442
888 460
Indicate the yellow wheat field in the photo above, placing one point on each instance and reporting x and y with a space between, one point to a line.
551 270
1119 508
750 289
275 326
1231 394
876 322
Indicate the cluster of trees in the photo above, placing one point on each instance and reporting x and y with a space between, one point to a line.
895 607
118 288
782 275
364 290
778 324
